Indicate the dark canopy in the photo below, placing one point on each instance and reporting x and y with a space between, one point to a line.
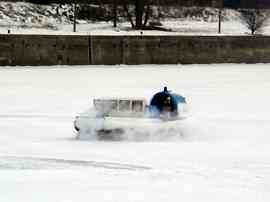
235 4
256 4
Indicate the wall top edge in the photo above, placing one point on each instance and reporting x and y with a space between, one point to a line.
133 36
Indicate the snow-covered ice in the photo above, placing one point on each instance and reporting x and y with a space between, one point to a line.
223 154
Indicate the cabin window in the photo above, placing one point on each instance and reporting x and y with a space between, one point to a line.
137 106
105 105
112 105
124 105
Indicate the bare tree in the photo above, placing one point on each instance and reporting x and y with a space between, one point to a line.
138 13
255 19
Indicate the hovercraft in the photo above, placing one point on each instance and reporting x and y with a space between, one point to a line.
112 117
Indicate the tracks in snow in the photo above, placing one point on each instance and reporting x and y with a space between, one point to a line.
31 163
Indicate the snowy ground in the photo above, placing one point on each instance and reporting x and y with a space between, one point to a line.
178 27
223 154
26 18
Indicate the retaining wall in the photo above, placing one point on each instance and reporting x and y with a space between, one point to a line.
109 50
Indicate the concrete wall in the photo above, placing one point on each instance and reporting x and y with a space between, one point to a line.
43 50
84 50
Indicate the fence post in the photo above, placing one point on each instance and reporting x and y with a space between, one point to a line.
220 15
74 15
115 13
219 20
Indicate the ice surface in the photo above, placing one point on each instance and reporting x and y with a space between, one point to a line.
222 154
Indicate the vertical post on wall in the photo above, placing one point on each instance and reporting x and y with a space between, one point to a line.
115 13
219 20
219 16
74 15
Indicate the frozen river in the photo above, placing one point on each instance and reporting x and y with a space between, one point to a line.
223 154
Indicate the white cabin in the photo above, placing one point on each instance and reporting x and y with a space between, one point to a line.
121 107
